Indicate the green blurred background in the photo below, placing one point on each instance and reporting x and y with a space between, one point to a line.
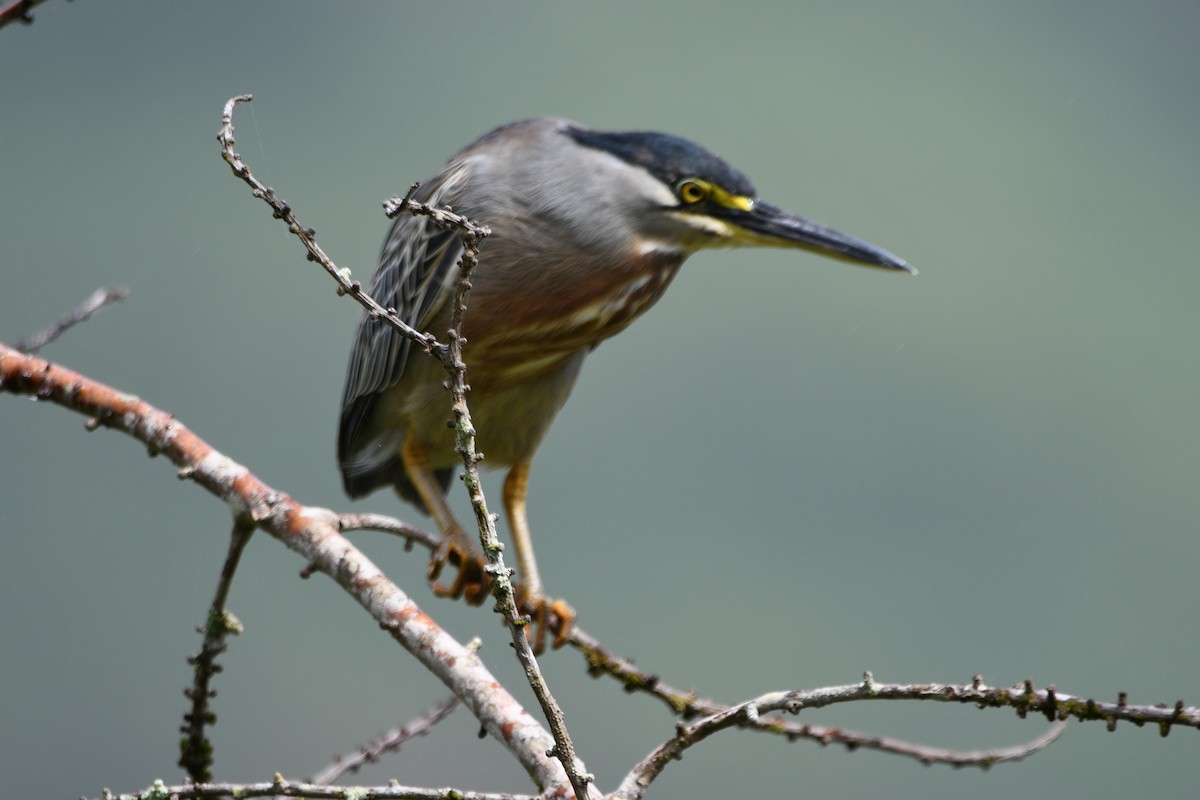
790 471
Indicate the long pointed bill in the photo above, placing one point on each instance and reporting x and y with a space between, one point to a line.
773 226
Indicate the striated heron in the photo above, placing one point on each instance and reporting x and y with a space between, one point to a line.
588 229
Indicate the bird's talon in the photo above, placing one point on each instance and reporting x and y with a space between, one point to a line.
461 553
566 620
543 615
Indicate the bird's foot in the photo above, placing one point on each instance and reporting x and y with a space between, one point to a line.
463 553
546 614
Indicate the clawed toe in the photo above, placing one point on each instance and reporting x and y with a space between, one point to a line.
463 556
546 615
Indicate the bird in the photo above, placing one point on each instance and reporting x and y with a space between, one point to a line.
589 228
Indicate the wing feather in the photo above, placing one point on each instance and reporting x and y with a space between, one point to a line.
415 277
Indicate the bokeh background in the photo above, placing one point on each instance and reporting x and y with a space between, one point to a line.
790 471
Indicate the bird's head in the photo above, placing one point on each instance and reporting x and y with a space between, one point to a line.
688 198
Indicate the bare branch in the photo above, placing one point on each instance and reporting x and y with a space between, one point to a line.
687 705
307 237
389 742
96 301
602 661
384 523
635 783
925 754
282 788
1023 698
313 533
983 759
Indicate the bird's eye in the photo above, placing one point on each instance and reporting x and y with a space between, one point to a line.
692 191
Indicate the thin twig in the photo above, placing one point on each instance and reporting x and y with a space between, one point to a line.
195 750
307 237
382 522
748 715
388 742
687 705
1023 698
984 759
96 301
925 754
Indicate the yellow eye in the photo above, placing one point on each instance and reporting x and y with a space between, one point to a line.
693 191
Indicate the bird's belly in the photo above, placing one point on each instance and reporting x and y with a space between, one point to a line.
510 418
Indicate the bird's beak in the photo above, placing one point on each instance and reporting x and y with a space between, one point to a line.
765 224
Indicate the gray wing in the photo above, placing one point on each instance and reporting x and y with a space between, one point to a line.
416 270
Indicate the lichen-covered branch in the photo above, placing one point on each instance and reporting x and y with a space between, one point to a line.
195 750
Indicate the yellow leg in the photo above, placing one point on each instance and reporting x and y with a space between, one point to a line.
553 614
516 487
457 548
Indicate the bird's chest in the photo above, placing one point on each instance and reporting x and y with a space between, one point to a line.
546 315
